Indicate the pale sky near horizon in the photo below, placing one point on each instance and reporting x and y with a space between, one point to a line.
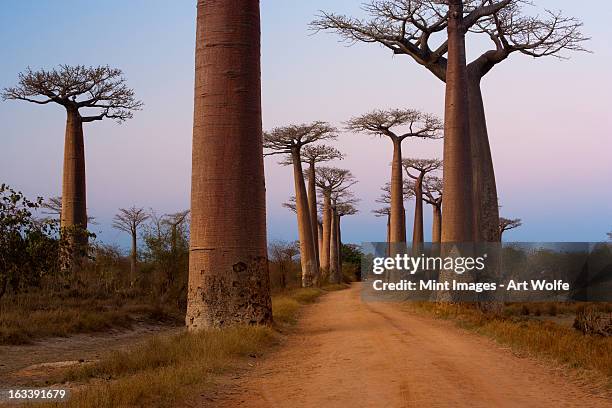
549 120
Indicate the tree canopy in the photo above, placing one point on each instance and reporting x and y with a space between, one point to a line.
102 89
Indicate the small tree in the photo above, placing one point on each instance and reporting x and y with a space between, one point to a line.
52 207
506 224
29 249
290 140
129 220
417 169
397 125
282 254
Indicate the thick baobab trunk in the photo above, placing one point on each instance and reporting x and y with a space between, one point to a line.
398 219
457 217
312 207
133 259
417 231
486 206
334 273
310 267
228 264
74 199
327 220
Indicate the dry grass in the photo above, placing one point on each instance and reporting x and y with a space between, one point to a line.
32 316
534 337
162 371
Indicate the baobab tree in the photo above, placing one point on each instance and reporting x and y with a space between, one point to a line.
506 224
87 94
417 169
411 27
311 155
432 190
458 216
229 281
129 220
343 204
290 140
385 198
397 125
330 180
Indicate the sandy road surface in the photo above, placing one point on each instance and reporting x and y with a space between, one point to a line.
352 354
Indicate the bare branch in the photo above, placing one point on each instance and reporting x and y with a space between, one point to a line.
410 123
289 138
129 219
78 87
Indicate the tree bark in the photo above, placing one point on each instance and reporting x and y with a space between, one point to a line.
74 197
320 242
436 228
310 267
334 274
133 259
228 264
486 206
398 222
339 239
327 214
312 206
458 214
388 251
417 230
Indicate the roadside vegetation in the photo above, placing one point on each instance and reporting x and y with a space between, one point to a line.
166 369
543 330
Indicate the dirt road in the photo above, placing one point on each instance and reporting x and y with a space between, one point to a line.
352 354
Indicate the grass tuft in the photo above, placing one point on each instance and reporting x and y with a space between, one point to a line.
163 370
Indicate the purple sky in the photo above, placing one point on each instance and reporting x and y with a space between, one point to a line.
548 119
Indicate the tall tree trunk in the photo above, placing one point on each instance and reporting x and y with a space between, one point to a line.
388 251
228 264
339 239
312 206
320 242
334 276
457 217
327 214
133 259
417 231
436 227
310 267
398 218
486 206
74 197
